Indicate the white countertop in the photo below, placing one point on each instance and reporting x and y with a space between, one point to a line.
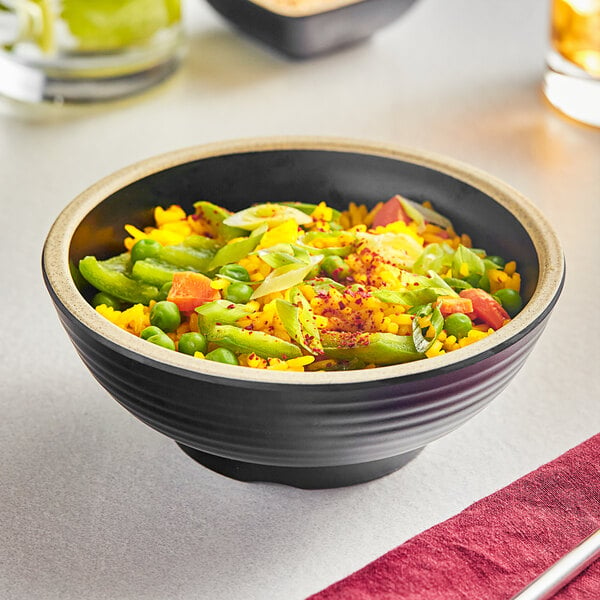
94 504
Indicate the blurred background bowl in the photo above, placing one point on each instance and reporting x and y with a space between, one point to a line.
311 430
308 29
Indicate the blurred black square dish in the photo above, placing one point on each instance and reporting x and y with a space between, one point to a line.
306 28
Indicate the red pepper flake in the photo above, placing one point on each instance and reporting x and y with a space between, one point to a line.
231 306
341 305
363 339
284 357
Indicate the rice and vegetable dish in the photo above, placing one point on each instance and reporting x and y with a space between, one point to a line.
304 287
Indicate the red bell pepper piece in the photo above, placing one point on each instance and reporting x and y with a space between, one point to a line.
390 212
190 290
486 308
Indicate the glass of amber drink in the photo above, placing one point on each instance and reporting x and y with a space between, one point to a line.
572 79
84 50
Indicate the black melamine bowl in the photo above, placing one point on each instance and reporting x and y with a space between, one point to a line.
312 29
321 429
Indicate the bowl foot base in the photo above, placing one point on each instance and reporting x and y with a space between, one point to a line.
301 477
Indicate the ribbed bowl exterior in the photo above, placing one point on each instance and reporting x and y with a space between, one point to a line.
297 426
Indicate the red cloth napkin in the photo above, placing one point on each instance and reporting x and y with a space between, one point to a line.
496 546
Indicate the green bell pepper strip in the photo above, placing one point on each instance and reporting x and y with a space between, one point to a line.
219 311
234 252
378 348
298 320
187 257
288 314
215 216
307 320
423 295
201 242
422 344
155 272
243 341
120 263
78 279
109 276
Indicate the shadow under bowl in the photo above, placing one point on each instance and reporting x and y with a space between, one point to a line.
311 430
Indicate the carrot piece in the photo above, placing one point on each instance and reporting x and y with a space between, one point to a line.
190 290
486 308
448 306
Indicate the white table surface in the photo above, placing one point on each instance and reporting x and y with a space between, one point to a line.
94 504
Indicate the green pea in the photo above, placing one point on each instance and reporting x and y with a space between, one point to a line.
497 260
162 340
192 342
236 272
145 249
510 299
239 293
164 290
108 299
165 314
150 331
222 355
458 325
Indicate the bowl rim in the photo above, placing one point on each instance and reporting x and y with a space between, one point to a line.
55 264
